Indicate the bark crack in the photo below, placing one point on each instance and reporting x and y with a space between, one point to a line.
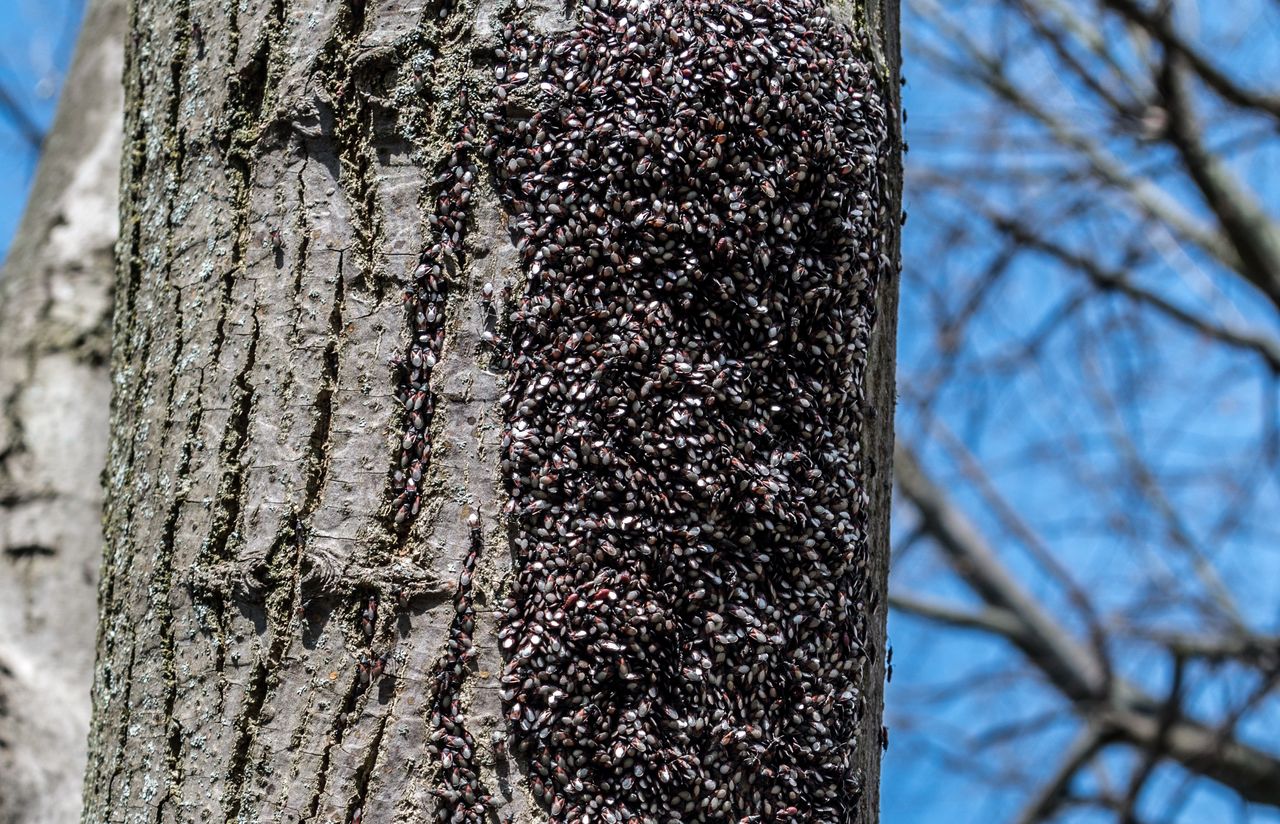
236 434
117 766
366 771
338 729
164 565
246 725
319 440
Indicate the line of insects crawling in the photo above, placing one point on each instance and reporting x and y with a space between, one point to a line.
461 796
459 793
425 297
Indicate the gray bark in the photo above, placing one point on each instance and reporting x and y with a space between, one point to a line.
55 306
879 19
277 173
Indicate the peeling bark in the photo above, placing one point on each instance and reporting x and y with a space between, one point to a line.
278 175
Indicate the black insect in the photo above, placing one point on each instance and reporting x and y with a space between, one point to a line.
369 617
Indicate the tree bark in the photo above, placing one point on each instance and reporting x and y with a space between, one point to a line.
879 20
55 307
261 555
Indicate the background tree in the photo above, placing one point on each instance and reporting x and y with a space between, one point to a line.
55 308
1088 431
290 629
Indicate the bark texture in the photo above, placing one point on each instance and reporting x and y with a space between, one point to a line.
55 307
879 20
278 175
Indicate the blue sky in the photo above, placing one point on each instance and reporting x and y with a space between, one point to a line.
1190 408
36 41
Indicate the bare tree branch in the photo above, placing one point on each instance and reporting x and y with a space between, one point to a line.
1068 665
1160 26
1255 650
1052 795
1266 347
988 619
13 110
1124 151
1253 234
1144 193
1156 749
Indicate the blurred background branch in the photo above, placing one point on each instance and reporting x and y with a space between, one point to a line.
14 112
1087 575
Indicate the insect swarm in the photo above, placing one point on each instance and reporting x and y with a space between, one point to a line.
697 202
459 791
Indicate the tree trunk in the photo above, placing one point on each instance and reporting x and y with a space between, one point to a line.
322 515
55 308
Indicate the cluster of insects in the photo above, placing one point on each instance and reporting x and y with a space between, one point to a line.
461 796
698 201
370 666
425 297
